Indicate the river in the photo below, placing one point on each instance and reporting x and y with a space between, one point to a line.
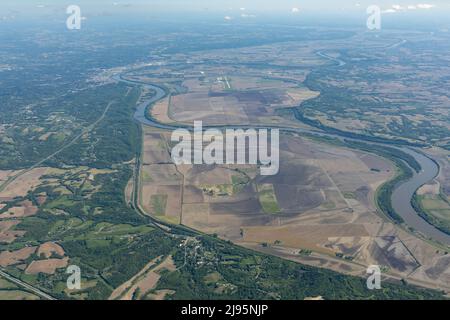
401 197
404 192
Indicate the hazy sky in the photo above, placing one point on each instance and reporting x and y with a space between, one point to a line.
231 10
228 5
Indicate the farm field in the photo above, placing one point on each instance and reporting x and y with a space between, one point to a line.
9 291
332 216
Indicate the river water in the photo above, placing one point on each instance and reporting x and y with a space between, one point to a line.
403 193
401 197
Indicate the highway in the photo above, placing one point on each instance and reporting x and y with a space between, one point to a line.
26 286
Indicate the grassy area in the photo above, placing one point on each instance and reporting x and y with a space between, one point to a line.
218 190
63 201
329 205
5 284
17 295
103 230
268 199
435 209
159 203
239 182
10 291
146 177
349 195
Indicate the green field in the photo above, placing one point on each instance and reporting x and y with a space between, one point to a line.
435 209
159 203
268 199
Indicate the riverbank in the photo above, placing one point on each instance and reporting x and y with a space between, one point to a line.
391 197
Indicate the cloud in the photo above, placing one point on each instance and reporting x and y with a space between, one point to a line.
228 18
397 8
295 10
125 5
244 15
425 6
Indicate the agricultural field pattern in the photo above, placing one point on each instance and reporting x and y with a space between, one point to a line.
87 177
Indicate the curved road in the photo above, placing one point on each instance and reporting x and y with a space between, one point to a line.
401 197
